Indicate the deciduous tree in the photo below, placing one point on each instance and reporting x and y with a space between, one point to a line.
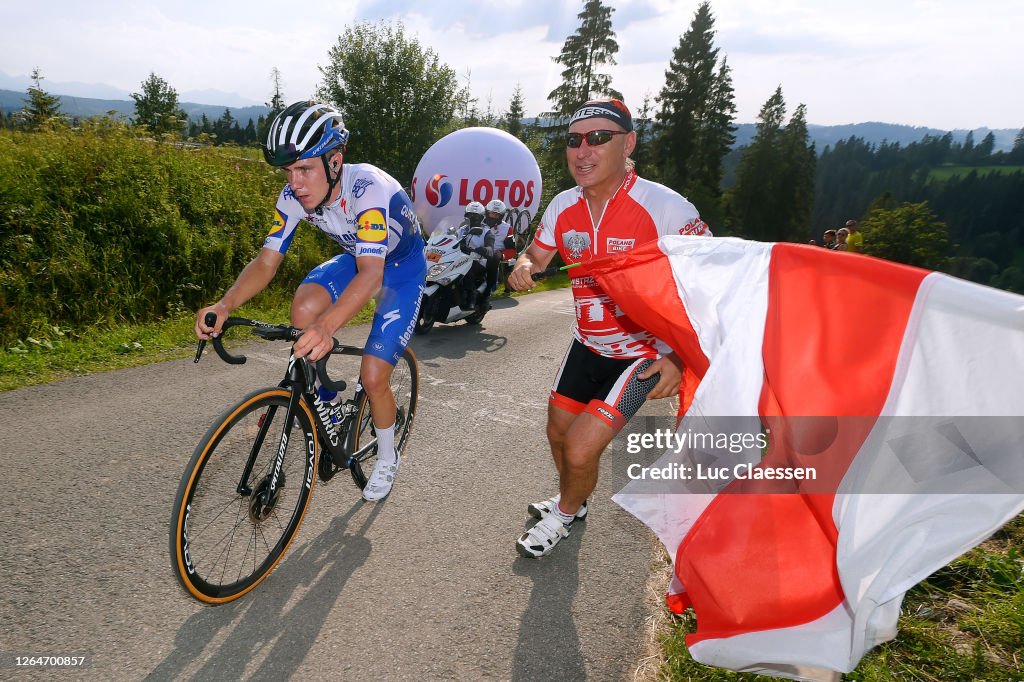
395 94
156 107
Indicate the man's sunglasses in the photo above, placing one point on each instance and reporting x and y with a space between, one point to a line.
594 138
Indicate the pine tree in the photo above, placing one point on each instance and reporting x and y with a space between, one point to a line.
583 53
642 153
695 121
222 127
157 107
513 120
753 201
41 107
796 181
276 103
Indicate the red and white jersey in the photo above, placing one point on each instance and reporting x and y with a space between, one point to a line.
640 211
503 231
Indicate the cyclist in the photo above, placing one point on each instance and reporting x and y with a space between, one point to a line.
479 240
504 242
612 365
371 217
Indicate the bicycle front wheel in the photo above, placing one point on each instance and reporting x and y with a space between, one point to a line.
228 529
405 382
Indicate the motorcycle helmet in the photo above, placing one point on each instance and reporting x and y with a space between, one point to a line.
495 212
475 214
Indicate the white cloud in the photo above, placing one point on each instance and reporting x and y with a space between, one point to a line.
926 62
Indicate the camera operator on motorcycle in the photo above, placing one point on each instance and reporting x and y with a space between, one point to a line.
479 240
504 242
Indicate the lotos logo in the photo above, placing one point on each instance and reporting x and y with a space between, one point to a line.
438 193
515 193
371 225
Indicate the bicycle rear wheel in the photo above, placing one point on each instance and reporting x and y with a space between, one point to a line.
521 230
405 382
226 533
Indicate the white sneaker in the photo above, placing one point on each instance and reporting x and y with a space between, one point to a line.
378 486
542 538
539 510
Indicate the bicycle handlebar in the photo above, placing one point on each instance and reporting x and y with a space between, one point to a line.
272 332
537 276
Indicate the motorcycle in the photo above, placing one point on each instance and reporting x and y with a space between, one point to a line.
445 297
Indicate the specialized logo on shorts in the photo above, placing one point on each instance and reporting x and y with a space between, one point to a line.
371 225
576 242
438 192
278 223
359 187
391 316
619 245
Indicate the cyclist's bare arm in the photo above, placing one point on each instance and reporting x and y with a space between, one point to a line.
253 279
316 340
534 259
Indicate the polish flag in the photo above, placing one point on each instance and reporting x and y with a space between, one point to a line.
902 389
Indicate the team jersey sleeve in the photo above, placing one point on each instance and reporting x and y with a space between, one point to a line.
681 217
287 214
545 236
372 204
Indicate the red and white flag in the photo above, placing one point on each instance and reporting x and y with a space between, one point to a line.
902 389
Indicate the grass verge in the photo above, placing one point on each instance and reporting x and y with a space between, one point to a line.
964 623
51 353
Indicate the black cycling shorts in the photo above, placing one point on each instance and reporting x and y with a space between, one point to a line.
606 387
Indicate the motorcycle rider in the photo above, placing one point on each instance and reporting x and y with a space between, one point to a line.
478 240
504 242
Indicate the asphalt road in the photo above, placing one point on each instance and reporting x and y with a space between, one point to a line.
424 586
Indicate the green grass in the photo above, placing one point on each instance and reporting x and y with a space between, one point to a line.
51 353
964 623
946 172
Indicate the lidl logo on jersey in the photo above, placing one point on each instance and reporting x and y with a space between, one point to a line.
371 225
277 224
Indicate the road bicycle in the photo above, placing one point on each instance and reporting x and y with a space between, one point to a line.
247 486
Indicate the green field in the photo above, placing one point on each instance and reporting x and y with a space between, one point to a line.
947 172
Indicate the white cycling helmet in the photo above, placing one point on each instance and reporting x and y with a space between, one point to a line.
303 131
496 206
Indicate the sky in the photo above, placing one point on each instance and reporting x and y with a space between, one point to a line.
945 64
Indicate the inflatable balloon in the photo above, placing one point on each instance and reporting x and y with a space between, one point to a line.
474 164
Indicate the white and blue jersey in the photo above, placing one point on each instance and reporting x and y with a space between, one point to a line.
372 218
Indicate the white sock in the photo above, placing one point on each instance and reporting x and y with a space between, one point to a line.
566 519
386 445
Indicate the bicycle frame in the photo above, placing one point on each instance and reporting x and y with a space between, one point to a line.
334 437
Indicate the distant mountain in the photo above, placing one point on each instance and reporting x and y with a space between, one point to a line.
82 107
822 136
876 133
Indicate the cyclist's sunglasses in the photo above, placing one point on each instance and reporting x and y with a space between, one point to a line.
594 138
